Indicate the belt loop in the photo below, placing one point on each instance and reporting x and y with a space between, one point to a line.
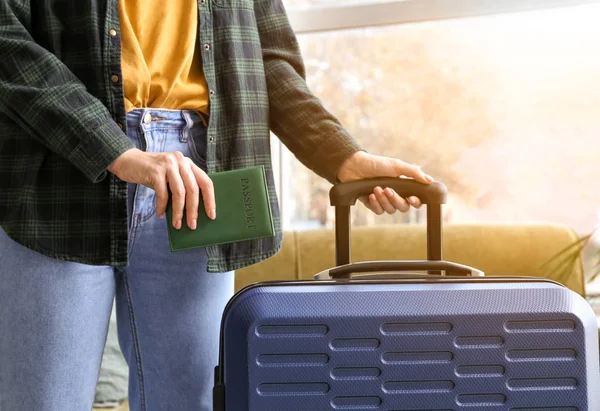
188 125
145 112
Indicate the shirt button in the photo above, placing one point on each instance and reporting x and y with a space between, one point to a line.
147 118
113 32
114 78
211 92
207 47
202 1
211 139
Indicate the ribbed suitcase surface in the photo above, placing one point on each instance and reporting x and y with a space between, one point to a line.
407 342
364 345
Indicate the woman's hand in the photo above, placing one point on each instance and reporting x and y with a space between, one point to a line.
362 165
164 171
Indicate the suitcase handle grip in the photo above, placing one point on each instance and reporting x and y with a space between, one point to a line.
346 271
346 194
343 195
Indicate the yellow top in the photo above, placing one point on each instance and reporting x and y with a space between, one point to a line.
161 62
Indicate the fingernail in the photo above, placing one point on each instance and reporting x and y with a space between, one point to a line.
178 224
388 192
428 178
193 226
212 214
161 216
413 200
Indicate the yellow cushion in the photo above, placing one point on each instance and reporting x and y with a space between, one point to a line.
282 266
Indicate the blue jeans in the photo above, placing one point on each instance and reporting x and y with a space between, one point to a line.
54 314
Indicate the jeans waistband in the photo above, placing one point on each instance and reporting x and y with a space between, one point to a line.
161 119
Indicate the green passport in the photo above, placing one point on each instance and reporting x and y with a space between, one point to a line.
243 212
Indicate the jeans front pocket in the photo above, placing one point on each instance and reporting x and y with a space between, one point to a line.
197 145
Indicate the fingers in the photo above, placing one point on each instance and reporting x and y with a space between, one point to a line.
187 182
415 202
410 170
388 201
161 191
178 191
391 201
374 205
208 192
192 192
385 200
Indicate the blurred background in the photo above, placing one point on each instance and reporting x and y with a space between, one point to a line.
499 102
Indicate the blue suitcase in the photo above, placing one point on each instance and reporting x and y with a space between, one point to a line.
357 340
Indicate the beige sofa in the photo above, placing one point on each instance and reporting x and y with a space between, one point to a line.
497 249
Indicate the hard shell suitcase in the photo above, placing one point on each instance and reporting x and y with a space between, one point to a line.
354 340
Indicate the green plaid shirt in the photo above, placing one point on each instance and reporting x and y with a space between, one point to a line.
62 120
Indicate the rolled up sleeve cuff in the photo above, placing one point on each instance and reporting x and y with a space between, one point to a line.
99 149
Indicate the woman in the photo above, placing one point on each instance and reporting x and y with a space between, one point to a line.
106 105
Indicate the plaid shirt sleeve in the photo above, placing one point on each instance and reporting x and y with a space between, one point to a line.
297 117
47 101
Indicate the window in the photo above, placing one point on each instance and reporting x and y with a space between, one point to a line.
502 108
322 15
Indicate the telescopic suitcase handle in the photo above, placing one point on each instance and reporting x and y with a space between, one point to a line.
344 271
344 195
